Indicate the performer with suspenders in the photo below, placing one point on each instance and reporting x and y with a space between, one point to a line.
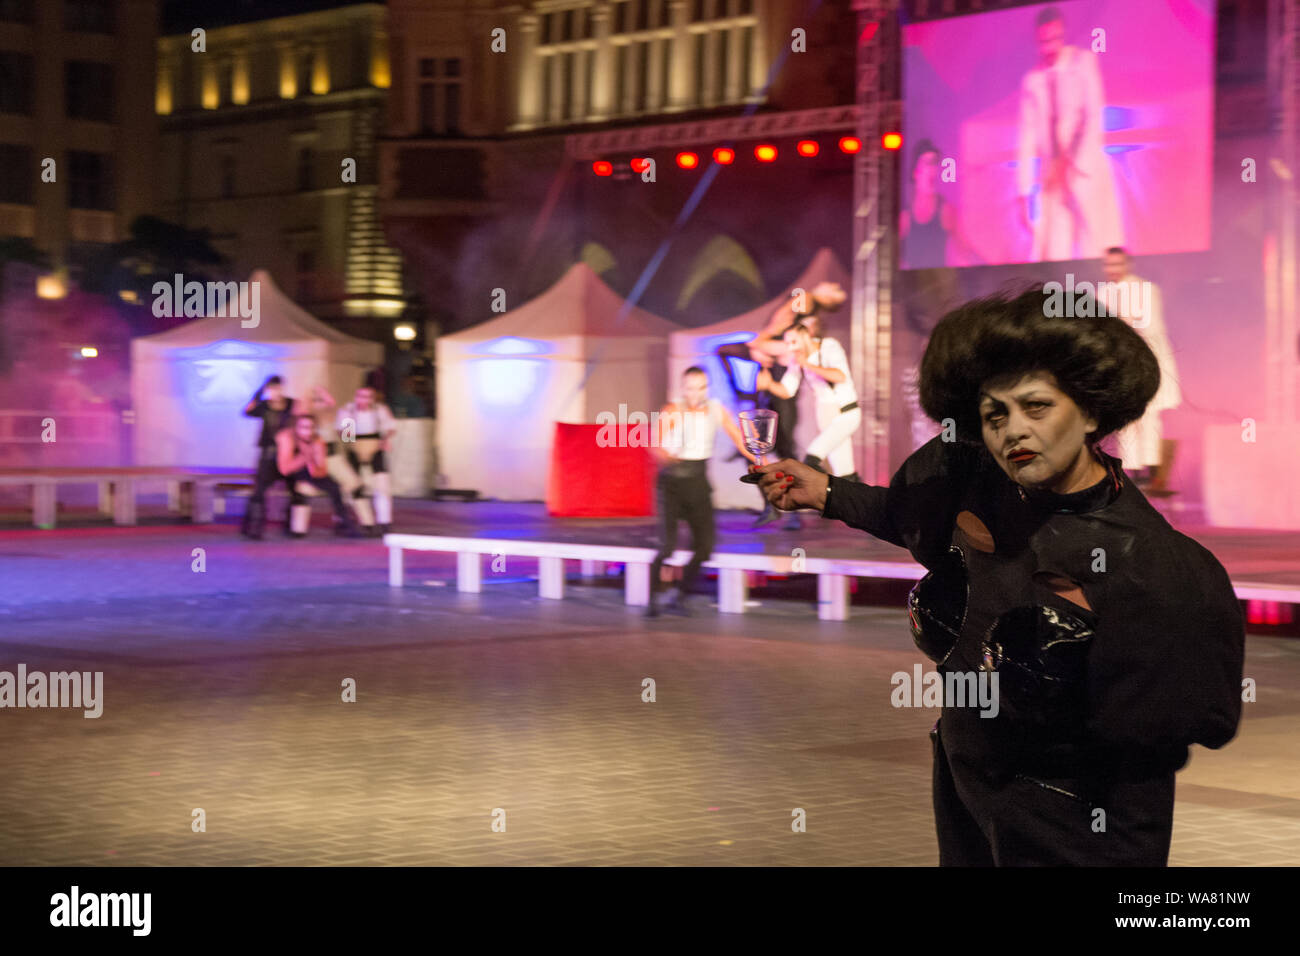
683 449
366 428
822 361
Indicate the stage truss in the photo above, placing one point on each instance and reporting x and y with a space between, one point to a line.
1282 297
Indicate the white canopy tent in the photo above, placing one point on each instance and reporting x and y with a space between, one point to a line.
576 350
697 347
189 384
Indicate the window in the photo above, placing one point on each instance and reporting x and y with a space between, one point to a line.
89 91
721 38
625 16
15 83
643 77
439 96
621 78
88 16
701 39
15 11
304 72
16 183
699 13
566 33
90 181
746 7
305 161
746 59
305 275
642 14
566 92
227 176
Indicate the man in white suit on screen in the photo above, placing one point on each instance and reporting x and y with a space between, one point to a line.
1061 101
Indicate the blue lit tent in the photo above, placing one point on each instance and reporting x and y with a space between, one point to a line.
189 384
573 352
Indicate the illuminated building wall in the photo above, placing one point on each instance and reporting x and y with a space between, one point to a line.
256 132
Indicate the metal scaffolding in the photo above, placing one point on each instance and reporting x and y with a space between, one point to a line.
1282 261
875 212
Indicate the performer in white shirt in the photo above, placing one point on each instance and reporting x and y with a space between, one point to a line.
683 447
824 364
366 428
1061 102
1141 306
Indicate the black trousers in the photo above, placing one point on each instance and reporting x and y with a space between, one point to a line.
683 493
325 483
1031 821
268 473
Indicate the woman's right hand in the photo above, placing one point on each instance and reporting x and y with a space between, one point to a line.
790 485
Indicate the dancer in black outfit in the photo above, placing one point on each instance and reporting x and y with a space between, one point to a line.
275 410
1116 641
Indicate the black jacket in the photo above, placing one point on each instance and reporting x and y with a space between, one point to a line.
1123 687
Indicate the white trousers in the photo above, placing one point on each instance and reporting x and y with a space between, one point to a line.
834 442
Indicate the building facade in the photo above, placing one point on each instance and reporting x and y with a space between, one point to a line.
78 137
497 110
314 85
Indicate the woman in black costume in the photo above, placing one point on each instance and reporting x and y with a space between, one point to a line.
1113 641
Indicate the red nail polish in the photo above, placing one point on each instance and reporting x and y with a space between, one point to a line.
780 474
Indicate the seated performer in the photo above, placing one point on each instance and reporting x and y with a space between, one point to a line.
366 428
300 455
683 449
1109 641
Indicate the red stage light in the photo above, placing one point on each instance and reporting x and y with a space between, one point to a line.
602 167
638 164
892 140
688 160
765 153
850 144
724 156
808 147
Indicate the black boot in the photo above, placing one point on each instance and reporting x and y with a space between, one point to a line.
676 603
254 520
346 526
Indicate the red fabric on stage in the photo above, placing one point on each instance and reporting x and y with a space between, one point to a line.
588 481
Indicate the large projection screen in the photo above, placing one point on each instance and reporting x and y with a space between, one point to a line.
1051 132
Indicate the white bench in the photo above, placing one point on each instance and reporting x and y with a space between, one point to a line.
187 489
733 588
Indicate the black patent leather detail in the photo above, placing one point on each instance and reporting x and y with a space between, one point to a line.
936 606
1040 654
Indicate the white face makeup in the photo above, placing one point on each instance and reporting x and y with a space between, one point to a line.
1036 433
695 389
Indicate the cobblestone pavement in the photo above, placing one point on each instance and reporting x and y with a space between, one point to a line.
222 692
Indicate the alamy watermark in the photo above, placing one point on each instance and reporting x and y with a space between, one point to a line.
643 430
958 688
1129 300
55 689
181 299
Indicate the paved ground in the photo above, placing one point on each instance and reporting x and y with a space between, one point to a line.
222 692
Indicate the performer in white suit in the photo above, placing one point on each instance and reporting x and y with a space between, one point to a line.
1061 101
1139 443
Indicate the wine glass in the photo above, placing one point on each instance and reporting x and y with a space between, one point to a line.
758 430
